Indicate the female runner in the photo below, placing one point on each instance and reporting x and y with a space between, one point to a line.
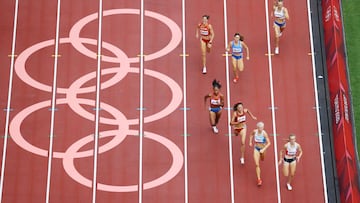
238 121
292 155
262 142
236 47
281 14
207 34
216 104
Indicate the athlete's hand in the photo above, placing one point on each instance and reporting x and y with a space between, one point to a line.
280 161
298 159
247 58
250 144
209 45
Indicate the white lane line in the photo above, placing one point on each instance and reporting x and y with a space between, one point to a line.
185 103
317 102
8 106
141 105
272 102
53 103
97 103
228 106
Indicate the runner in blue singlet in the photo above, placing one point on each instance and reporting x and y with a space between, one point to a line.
236 48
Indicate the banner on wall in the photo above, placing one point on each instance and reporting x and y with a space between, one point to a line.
342 126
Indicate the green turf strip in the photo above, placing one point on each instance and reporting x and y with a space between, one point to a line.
351 16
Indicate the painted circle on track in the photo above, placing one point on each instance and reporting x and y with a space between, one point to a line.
171 107
69 166
173 43
18 138
175 100
20 65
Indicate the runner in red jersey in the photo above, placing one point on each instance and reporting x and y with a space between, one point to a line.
216 105
238 121
206 33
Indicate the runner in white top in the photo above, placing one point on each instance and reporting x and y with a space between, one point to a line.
292 153
281 14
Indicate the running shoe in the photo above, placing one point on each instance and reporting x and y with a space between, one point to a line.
259 182
236 79
204 70
288 186
215 129
276 50
242 160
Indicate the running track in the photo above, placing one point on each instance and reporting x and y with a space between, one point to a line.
138 102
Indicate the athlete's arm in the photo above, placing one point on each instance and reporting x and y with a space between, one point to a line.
197 32
233 122
228 47
268 143
286 14
251 136
206 97
300 153
252 116
211 30
222 100
247 50
281 154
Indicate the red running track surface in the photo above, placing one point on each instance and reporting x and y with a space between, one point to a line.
163 151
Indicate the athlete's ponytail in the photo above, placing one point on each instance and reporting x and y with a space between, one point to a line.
240 36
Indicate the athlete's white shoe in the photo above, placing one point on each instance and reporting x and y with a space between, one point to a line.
276 50
204 70
242 160
288 186
215 129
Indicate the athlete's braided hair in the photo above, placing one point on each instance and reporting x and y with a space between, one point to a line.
216 83
206 16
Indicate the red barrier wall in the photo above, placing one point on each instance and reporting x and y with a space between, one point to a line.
345 153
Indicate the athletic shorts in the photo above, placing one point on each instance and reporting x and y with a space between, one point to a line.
215 110
280 24
258 148
237 57
238 130
289 160
205 40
